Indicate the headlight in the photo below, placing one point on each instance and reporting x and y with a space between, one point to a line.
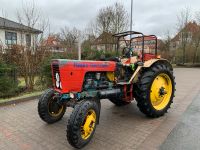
58 82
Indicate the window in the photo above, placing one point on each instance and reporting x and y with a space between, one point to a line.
10 38
28 40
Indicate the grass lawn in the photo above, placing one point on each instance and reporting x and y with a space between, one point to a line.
21 96
21 81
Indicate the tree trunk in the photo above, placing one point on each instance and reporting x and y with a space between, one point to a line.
195 55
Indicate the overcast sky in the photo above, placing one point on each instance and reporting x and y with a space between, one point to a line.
149 16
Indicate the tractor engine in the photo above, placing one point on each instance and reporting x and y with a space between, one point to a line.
96 81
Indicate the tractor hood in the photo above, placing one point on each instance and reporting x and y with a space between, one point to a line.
68 75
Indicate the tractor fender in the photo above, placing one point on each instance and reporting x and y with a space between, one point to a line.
148 64
151 62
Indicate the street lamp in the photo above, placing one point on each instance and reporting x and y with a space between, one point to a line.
131 24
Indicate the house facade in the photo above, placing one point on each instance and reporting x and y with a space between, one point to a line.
186 34
149 44
13 33
54 44
105 42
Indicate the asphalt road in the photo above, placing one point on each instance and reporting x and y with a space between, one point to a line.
186 134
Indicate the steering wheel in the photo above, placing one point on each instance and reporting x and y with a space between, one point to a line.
127 52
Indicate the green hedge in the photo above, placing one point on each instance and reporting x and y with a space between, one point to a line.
45 70
8 81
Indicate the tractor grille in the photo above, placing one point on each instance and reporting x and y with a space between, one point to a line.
55 68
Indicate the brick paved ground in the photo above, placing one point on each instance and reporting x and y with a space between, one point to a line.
120 128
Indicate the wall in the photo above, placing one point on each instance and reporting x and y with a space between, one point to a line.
2 37
21 38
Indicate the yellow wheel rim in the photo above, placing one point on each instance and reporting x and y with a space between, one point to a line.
54 113
161 91
88 125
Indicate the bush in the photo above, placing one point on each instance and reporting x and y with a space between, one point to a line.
8 82
45 76
97 55
45 79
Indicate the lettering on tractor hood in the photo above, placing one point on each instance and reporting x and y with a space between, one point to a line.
93 65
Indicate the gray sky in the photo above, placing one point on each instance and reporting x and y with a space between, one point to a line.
150 16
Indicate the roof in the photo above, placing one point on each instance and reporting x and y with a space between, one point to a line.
52 41
192 27
11 25
105 38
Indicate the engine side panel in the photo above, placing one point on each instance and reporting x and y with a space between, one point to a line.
72 73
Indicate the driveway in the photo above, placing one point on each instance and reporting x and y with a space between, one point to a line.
120 128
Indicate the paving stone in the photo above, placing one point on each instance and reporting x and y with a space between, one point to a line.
121 128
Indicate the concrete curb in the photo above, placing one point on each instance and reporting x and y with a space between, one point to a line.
19 100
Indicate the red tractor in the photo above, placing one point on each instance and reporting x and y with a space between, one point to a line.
138 75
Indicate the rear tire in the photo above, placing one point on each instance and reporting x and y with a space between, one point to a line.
48 109
82 123
155 90
119 102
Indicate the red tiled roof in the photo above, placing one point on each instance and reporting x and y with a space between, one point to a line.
192 27
52 41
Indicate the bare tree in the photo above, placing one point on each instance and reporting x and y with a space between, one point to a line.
166 46
120 19
104 19
30 58
31 16
112 19
91 30
70 37
196 38
4 13
183 19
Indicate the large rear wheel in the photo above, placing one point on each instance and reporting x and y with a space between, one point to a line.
155 90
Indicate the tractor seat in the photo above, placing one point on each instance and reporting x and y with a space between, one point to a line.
131 60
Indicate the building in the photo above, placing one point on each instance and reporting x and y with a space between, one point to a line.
149 44
13 33
186 34
53 44
105 42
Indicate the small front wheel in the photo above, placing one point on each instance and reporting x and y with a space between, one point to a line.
82 123
49 109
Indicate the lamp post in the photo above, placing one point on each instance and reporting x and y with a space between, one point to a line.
79 49
131 23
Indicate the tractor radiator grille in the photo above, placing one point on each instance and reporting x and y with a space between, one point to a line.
55 68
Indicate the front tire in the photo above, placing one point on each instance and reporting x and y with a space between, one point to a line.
155 90
48 108
82 123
